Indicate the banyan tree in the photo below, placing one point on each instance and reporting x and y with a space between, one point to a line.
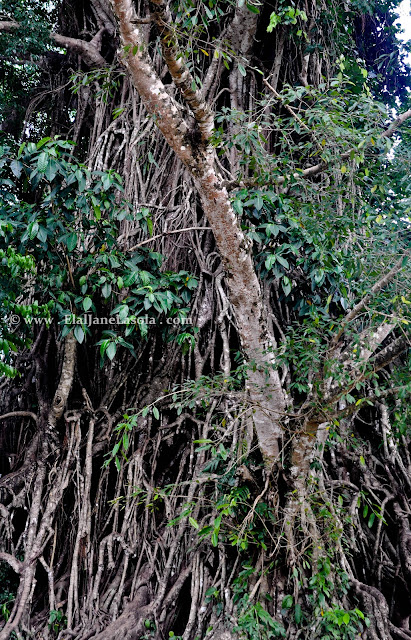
204 320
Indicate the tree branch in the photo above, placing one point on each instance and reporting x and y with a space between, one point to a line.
89 51
397 123
178 69
390 353
318 168
355 311
159 104
380 360
368 341
66 380
8 25
15 414
15 564
168 233
293 114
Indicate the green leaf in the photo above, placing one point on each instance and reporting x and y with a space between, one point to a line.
208 12
125 441
115 449
33 229
42 142
242 70
259 202
51 170
193 522
42 234
65 330
117 112
16 168
287 602
298 614
346 618
103 346
286 285
71 241
252 8
42 162
156 413
106 290
87 303
79 333
111 350
205 531
283 262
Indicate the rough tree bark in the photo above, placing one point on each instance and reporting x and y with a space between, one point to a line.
39 525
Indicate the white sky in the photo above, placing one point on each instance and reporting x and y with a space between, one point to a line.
405 19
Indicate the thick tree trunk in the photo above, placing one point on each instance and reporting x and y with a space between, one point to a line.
244 288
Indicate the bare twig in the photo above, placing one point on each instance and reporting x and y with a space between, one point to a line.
293 114
16 414
167 233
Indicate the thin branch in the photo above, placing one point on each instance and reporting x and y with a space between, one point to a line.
381 360
16 414
70 273
355 311
397 123
147 20
293 114
352 408
167 233
179 71
316 169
